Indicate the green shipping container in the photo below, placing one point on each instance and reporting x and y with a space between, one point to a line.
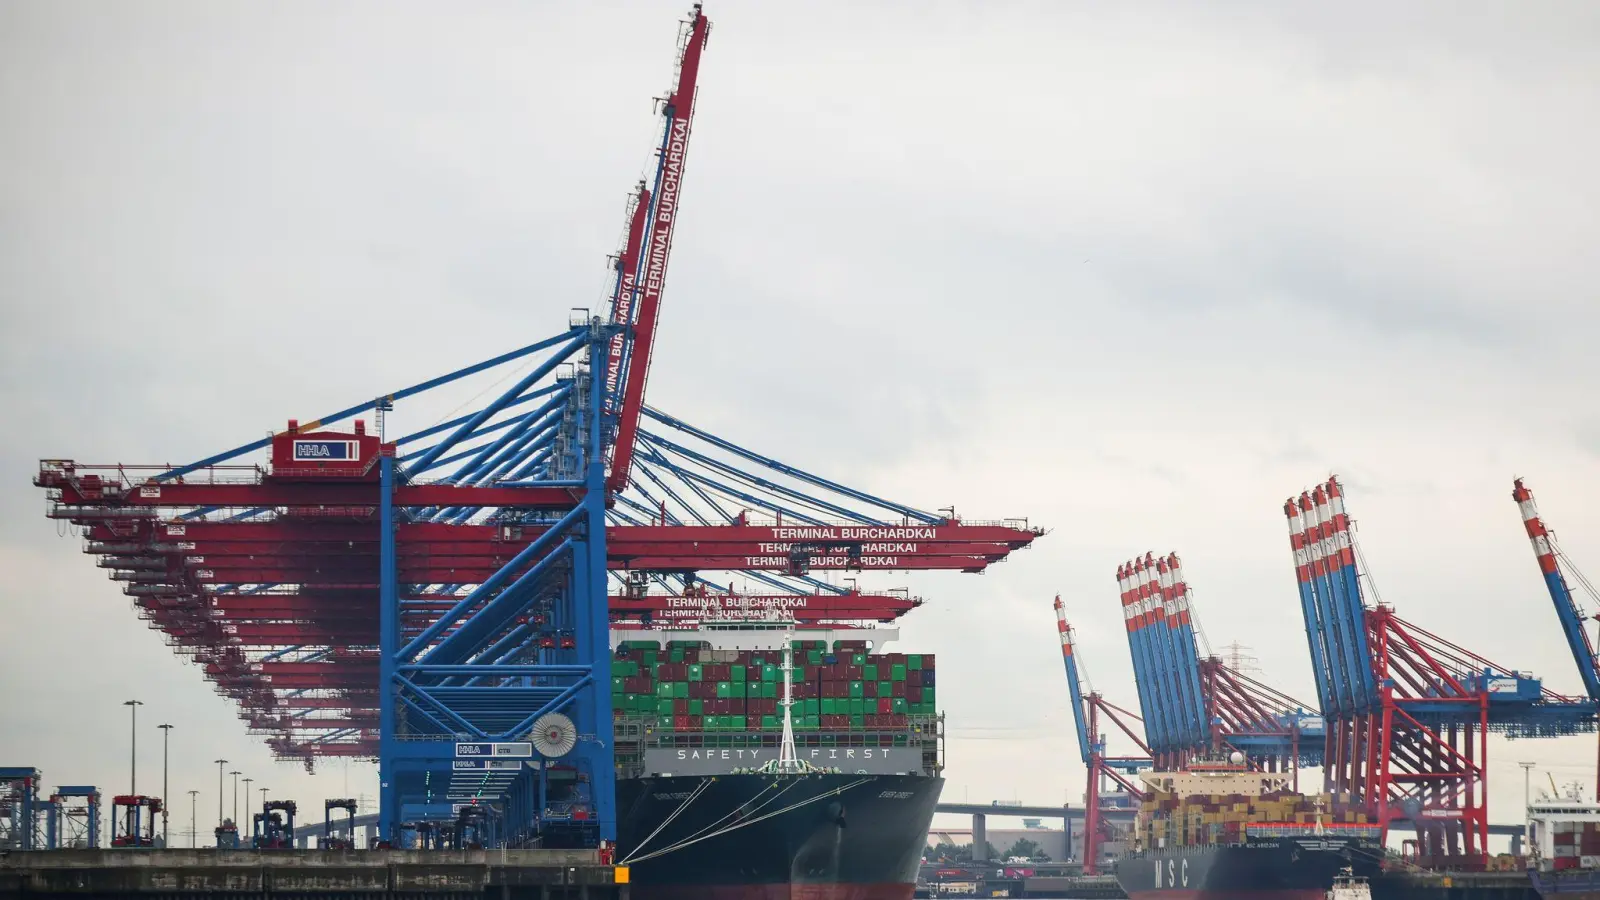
771 723
897 672
739 673
617 682
885 689
680 689
858 707
675 655
769 672
809 723
664 723
696 673
858 722
810 707
697 707
858 659
724 690
813 657
857 689
664 707
769 690
870 671
664 689
914 661
900 705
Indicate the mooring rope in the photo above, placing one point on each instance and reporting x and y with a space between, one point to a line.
778 812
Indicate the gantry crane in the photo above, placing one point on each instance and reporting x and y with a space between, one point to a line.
358 590
1087 708
1408 712
1198 705
1574 623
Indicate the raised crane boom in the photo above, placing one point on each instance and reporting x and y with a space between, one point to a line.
1105 774
638 299
1567 611
1074 685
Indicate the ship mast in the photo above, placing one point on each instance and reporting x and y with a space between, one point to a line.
788 760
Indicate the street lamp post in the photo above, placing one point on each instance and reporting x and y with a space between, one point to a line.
235 774
133 745
194 832
220 764
166 733
247 793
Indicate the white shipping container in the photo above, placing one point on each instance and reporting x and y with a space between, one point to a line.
1565 850
1560 827
1589 862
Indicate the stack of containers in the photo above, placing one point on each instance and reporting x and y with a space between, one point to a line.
1166 819
688 687
1575 844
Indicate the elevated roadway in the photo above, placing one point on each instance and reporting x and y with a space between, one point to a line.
1070 817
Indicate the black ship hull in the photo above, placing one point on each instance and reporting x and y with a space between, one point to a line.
1572 884
1289 868
774 837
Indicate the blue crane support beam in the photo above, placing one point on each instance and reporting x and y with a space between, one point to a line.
731 492
749 478
529 380
535 549
430 431
791 471
343 414
486 458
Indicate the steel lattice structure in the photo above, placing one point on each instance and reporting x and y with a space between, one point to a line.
390 597
1409 713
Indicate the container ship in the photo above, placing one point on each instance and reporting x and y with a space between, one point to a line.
773 763
1563 840
1218 830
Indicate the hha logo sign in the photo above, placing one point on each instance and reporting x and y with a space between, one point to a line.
325 451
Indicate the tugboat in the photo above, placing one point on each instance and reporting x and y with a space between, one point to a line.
1347 885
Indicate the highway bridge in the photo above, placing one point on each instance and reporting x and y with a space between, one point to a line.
1071 818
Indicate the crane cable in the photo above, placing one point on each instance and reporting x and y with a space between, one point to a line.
778 812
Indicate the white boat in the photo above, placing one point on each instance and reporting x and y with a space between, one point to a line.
1349 886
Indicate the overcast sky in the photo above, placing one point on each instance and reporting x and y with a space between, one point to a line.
1135 271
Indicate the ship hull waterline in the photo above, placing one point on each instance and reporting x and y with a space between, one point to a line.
1288 868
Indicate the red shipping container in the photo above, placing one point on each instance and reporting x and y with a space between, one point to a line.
914 694
897 688
914 677
872 689
885 705
680 707
680 722
927 662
